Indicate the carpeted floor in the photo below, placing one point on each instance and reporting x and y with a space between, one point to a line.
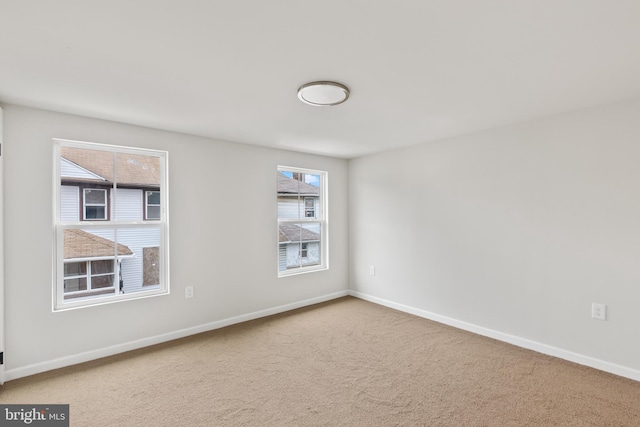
342 363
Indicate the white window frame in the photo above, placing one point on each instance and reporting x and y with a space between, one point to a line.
147 204
311 209
321 218
59 303
89 275
105 205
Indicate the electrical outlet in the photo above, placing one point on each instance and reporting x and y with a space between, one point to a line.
372 270
188 292
599 311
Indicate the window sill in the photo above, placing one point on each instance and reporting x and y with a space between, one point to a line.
303 270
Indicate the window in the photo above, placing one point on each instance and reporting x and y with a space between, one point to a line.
104 250
95 204
302 220
309 207
88 278
152 205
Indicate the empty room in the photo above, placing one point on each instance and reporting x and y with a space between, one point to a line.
285 213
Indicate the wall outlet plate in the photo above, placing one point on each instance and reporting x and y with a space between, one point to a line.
188 292
599 311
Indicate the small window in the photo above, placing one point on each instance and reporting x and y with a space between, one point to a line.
309 207
82 279
95 204
152 205
107 254
302 221
75 277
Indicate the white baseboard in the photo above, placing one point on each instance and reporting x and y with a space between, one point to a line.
62 362
580 359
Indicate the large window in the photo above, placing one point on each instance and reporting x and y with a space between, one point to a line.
302 220
111 228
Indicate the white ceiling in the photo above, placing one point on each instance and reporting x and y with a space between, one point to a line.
418 70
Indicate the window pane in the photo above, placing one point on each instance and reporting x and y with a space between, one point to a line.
74 285
86 164
91 167
101 267
299 245
101 281
98 197
142 270
153 212
95 212
153 197
75 269
298 194
138 169
94 244
312 179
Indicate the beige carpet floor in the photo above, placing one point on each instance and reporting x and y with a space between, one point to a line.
342 363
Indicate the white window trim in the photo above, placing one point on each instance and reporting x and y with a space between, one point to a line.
322 218
89 275
147 204
85 204
311 209
58 301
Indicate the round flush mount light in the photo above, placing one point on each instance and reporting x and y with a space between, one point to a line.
323 93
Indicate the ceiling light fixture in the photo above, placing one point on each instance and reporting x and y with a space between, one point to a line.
323 93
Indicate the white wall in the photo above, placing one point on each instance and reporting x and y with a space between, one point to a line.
513 232
228 255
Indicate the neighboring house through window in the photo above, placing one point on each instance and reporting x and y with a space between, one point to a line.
105 248
302 220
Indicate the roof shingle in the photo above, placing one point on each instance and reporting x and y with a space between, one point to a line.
131 169
288 185
295 233
80 244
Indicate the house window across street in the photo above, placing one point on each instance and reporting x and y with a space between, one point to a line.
105 251
95 204
302 220
88 276
153 205
310 207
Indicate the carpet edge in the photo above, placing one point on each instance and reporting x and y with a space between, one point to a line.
62 362
536 346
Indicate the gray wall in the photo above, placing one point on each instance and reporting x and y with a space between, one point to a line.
227 251
513 232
